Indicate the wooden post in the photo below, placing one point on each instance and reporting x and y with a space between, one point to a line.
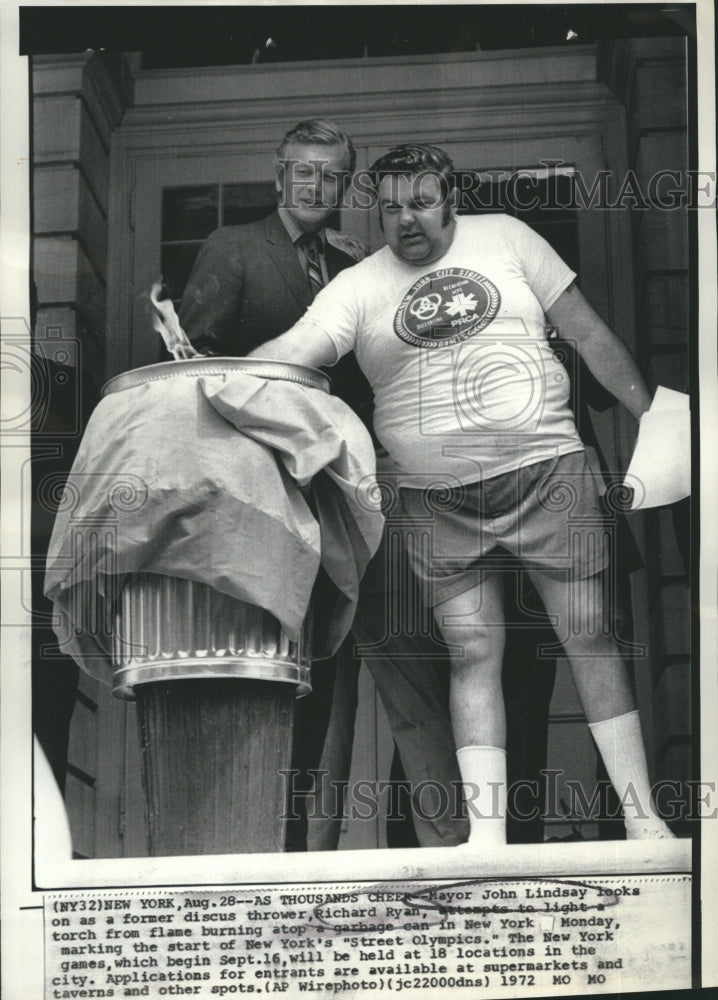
212 756
215 681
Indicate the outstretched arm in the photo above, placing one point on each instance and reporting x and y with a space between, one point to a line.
303 344
605 355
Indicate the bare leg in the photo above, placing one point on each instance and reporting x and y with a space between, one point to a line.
600 674
474 622
604 689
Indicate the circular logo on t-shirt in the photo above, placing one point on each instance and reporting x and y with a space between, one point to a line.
446 307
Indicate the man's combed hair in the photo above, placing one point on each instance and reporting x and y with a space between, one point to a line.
318 132
414 158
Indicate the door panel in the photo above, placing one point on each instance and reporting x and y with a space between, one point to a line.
153 177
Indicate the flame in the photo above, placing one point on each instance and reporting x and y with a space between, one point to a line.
166 323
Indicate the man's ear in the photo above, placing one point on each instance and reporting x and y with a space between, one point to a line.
453 203
450 208
279 171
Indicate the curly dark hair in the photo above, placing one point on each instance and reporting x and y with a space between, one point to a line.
413 158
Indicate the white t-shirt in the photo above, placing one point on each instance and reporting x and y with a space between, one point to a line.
464 379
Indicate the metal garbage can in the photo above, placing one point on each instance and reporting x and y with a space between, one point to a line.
214 680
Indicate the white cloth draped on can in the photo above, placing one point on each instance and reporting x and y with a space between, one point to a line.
248 485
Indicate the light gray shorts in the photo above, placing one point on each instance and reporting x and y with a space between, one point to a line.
545 518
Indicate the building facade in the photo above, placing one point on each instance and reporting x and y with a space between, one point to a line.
132 168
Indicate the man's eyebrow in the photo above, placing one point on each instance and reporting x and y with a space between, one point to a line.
304 163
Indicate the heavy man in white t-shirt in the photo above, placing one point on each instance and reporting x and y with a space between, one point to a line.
448 324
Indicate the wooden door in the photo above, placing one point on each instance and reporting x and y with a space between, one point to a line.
175 203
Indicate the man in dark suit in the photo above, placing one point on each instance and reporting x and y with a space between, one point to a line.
249 283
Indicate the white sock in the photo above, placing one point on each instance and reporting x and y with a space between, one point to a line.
620 744
483 773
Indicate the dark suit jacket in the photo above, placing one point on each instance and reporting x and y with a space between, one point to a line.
248 286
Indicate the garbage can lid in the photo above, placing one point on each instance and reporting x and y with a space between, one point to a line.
282 370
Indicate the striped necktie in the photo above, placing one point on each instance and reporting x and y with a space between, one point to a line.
311 244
